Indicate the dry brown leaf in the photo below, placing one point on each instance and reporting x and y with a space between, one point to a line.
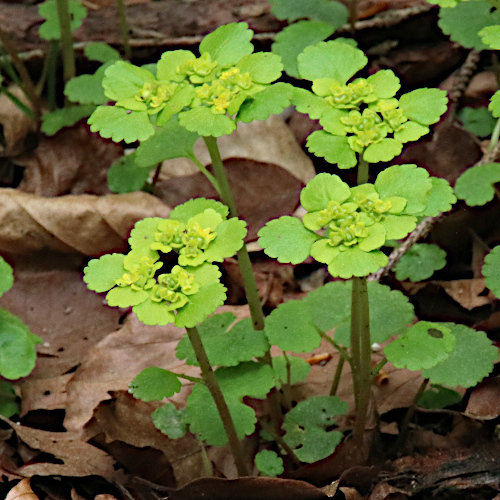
78 458
91 225
484 401
22 491
72 162
466 292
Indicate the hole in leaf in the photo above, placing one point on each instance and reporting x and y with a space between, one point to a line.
437 334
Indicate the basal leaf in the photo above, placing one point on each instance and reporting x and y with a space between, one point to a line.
321 189
102 52
6 276
9 402
471 360
440 199
334 149
170 421
333 13
196 206
478 121
101 274
50 29
355 262
491 270
385 150
263 67
293 39
202 121
476 185
306 427
66 117
332 59
299 370
268 463
119 124
154 384
290 326
308 103
287 240
87 89
420 262
270 101
228 43
424 106
438 397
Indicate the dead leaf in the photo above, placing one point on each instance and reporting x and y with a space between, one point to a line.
91 225
72 162
466 292
384 491
484 401
22 491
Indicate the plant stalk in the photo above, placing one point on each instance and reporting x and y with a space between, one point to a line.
363 171
213 386
68 53
125 29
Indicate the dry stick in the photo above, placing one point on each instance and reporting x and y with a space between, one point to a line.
213 386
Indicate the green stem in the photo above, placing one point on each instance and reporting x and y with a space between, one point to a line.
287 392
196 380
281 442
494 136
338 374
207 174
376 369
52 77
363 170
125 29
353 14
68 53
213 386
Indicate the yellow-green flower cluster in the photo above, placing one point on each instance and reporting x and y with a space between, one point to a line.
350 96
174 288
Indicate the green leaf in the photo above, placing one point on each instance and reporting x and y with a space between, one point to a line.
263 67
6 276
439 397
477 121
420 262
308 103
424 106
334 149
469 363
494 105
224 346
228 44
153 313
332 59
50 29
464 22
491 270
202 121
270 101
444 3
17 347
229 239
126 297
119 124
293 39
66 117
170 421
143 234
321 189
411 131
100 274
290 326
299 370
476 185
268 463
424 345
491 36
306 427
167 65
406 181
154 384
9 402
247 379
181 98
102 52
385 150
440 198
396 227
287 240
356 262
123 80
87 89
330 306
125 176
333 13
331 120
196 206
385 83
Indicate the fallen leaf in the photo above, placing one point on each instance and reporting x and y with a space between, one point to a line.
466 292
22 491
484 400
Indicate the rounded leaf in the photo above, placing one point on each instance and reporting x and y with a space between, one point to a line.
476 185
268 463
424 106
202 121
6 276
101 274
491 270
334 149
170 421
321 189
355 262
190 208
270 101
263 67
154 384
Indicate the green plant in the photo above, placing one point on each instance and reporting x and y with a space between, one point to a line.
345 227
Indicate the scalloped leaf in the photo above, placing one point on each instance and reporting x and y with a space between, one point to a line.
101 52
143 234
190 208
396 227
66 117
118 124
478 121
299 370
321 189
494 105
287 240
202 121
356 262
100 274
293 39
333 148
385 150
154 384
263 67
170 421
6 276
424 105
491 270
125 176
126 297
420 262
491 36
168 142
438 397
18 347
331 60
167 65
153 313
406 181
87 89
122 80
411 131
333 13
180 99
50 29
228 44
290 326
270 101
269 464
385 83
476 185
471 360
230 236
424 345
440 198
330 306
308 103
464 22
224 346
247 379
306 427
